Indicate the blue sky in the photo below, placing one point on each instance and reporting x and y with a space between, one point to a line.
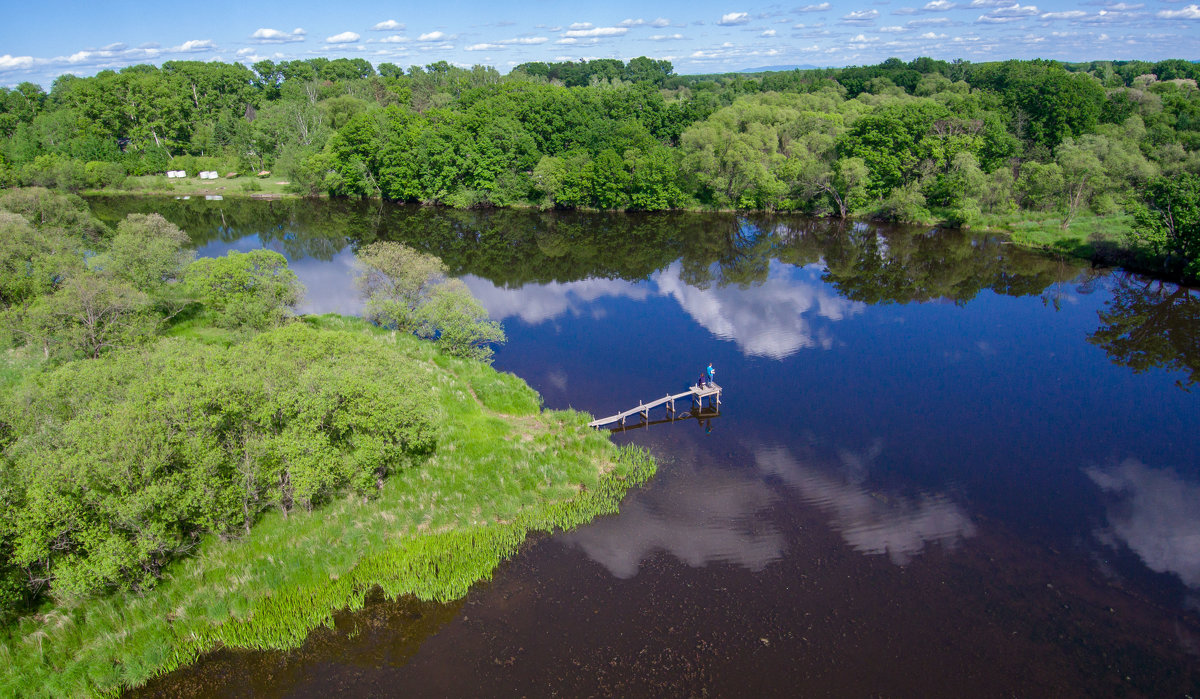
39 41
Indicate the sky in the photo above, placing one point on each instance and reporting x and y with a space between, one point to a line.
42 40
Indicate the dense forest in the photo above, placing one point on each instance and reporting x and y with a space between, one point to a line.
926 140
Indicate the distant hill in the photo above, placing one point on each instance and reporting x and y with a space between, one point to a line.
768 69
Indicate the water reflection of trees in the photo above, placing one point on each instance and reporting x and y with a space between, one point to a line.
873 263
1151 324
1146 324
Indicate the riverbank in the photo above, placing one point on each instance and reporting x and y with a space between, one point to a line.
1098 239
502 468
242 186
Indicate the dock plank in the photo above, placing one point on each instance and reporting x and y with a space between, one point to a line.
644 408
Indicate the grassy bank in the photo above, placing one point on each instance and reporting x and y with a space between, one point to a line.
502 468
241 186
1100 240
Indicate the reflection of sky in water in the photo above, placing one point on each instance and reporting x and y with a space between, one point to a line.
1156 514
790 311
976 394
871 522
704 514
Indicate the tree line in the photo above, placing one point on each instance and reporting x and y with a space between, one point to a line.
923 140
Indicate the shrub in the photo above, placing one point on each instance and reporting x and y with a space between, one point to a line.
245 289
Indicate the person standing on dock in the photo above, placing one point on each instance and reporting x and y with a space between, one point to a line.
711 372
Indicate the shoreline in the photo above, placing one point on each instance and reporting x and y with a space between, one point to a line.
432 531
1093 238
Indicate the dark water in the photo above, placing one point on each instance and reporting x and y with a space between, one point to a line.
942 466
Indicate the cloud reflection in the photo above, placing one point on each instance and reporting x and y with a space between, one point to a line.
1155 515
699 516
871 522
775 319
537 303
330 285
703 514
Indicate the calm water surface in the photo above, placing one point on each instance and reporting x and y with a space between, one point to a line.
942 466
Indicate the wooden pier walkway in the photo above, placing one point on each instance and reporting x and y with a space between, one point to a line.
697 394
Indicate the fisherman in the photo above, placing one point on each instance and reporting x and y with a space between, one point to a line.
711 374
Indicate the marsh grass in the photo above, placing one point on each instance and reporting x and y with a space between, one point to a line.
1089 236
502 468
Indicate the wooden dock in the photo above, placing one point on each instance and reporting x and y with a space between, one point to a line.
696 393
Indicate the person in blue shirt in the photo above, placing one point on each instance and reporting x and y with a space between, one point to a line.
711 372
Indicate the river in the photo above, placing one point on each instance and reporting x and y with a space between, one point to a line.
942 465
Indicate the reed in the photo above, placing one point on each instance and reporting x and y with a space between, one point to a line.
503 468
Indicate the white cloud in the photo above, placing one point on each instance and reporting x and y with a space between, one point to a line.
631 23
526 40
939 6
581 25
395 39
708 515
1069 14
1189 12
388 25
733 18
567 41
666 37
859 16
862 39
598 31
932 35
432 36
892 29
814 8
195 46
343 38
8 62
661 22
769 32
265 35
485 47
1008 13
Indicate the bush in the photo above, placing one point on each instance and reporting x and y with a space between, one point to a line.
253 290
98 174
408 291
128 461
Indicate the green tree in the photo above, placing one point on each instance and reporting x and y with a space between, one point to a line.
1167 220
127 461
458 323
254 290
147 251
90 314
409 291
396 281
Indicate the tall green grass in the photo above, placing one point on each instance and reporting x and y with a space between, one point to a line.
502 468
1087 235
